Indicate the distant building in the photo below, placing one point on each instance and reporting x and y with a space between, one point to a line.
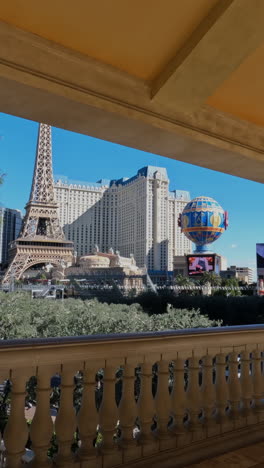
179 243
138 215
10 226
180 266
223 263
107 269
161 278
244 274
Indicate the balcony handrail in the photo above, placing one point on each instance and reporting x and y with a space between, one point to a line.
137 336
208 396
187 342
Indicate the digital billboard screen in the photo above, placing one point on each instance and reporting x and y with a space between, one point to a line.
260 259
260 255
199 264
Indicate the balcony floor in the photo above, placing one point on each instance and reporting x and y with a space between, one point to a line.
247 457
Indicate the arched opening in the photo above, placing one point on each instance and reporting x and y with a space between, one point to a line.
41 271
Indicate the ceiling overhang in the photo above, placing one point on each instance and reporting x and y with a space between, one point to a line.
176 113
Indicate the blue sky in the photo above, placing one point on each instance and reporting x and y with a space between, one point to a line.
84 158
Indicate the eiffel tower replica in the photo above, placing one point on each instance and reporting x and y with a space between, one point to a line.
41 239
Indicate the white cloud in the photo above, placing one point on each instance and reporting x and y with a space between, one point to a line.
233 246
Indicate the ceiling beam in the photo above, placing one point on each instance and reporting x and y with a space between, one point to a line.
232 30
45 82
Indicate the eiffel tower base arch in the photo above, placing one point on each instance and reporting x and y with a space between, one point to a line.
26 258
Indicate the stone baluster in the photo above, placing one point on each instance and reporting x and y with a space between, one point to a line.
221 388
108 413
208 395
193 394
162 400
257 379
41 428
88 415
234 388
178 397
146 409
66 423
127 408
16 431
246 383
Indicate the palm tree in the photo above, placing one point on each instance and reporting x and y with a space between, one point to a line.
233 285
185 284
211 278
181 280
230 282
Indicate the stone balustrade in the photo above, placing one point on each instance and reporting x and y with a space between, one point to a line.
161 399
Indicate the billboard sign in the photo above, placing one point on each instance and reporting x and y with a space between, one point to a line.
199 264
260 258
260 268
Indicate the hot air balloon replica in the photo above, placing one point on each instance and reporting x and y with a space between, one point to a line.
203 221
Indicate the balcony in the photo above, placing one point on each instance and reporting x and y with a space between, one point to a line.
163 399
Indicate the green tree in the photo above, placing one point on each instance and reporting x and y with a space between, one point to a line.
181 280
43 275
23 317
186 284
211 278
233 287
230 282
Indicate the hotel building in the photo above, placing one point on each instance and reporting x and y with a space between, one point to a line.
10 226
137 215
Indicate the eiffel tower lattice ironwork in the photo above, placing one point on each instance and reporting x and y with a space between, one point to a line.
41 239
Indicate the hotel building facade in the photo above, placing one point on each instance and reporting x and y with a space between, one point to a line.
10 226
137 215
